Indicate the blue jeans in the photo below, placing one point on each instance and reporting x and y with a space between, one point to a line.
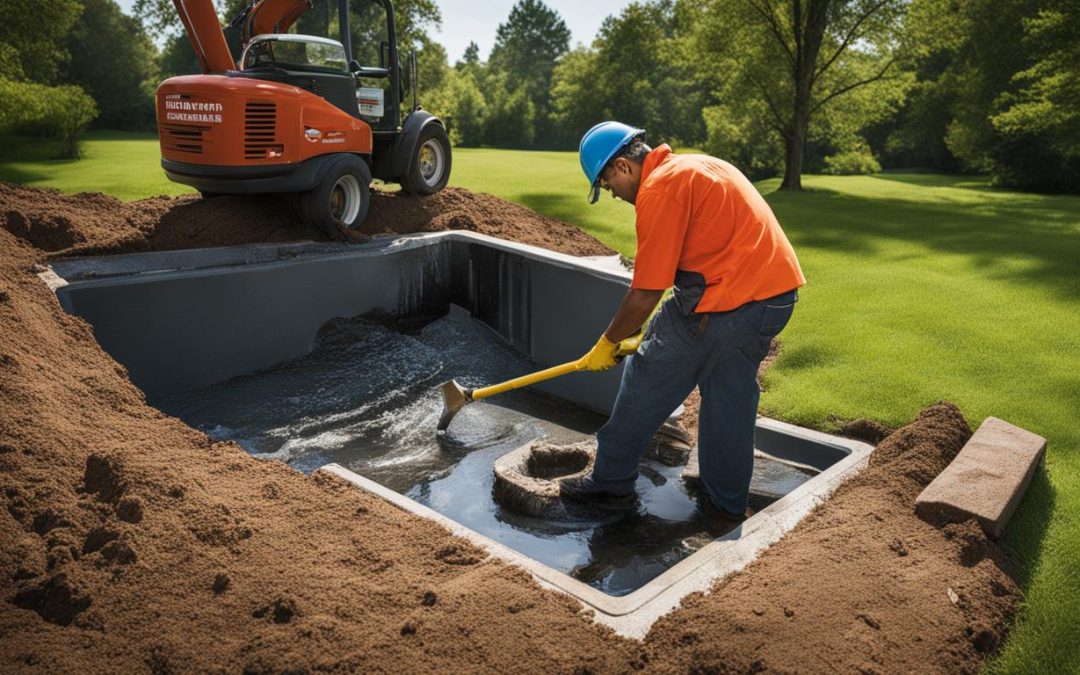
717 351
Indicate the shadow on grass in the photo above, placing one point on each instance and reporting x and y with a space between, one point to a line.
1026 533
13 174
1040 229
936 180
15 150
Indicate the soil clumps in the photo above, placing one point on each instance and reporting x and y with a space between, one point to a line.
86 224
871 431
129 541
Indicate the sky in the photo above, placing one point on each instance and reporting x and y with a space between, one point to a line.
476 20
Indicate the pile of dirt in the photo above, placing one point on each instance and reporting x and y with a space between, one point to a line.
861 584
862 429
86 224
129 541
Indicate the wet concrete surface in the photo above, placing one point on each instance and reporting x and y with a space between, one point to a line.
366 397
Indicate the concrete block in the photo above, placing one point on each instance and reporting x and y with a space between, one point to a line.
986 480
691 475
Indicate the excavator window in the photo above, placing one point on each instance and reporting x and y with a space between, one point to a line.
295 52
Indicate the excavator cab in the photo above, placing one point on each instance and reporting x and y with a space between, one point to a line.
316 64
297 115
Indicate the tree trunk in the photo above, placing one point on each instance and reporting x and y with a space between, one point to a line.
809 30
793 159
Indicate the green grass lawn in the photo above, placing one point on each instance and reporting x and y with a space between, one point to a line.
123 164
921 287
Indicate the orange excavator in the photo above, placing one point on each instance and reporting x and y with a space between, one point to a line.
291 118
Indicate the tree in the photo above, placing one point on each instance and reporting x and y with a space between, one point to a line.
1039 125
641 69
526 49
112 58
511 116
32 50
803 57
460 103
470 62
177 57
32 38
368 25
998 82
471 57
576 105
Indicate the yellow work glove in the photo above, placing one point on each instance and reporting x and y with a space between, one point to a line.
601 356
630 345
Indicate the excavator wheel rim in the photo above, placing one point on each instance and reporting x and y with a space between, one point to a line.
345 199
431 162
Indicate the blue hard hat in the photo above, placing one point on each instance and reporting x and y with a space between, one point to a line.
598 146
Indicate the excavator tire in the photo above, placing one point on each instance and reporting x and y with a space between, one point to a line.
429 165
340 202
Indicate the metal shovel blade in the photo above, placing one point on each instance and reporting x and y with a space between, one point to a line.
455 397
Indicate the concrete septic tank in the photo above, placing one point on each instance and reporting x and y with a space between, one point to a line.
328 356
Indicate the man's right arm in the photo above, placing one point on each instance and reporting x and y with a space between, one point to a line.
634 309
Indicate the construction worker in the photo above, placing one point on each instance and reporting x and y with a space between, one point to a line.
703 229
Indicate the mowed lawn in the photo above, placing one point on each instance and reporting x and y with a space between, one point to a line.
921 287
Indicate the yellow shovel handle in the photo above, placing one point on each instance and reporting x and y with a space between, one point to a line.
626 347
524 380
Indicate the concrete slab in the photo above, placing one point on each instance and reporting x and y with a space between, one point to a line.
986 480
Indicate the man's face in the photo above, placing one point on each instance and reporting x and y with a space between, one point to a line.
621 178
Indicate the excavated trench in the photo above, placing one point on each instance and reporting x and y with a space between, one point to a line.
325 354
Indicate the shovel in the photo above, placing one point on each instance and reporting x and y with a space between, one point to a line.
456 397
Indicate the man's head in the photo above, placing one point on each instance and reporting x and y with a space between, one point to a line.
622 174
611 155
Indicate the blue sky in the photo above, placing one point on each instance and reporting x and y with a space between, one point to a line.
464 20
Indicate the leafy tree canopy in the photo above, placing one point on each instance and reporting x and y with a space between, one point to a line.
817 66
32 38
113 59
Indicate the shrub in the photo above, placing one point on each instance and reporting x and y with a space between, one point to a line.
742 136
57 113
858 160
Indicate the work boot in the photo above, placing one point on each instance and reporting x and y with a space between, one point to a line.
718 521
586 490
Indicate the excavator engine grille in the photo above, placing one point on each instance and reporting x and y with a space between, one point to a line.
260 119
183 138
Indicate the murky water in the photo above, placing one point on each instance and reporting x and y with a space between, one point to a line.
367 398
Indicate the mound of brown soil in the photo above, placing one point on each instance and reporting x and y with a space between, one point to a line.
861 584
129 541
93 223
871 431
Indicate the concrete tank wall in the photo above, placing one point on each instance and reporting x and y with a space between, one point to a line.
180 321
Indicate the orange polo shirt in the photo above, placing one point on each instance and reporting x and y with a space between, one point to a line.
700 214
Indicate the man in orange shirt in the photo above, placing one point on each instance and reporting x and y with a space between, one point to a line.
703 229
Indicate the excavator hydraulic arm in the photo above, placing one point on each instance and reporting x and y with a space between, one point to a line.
207 38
